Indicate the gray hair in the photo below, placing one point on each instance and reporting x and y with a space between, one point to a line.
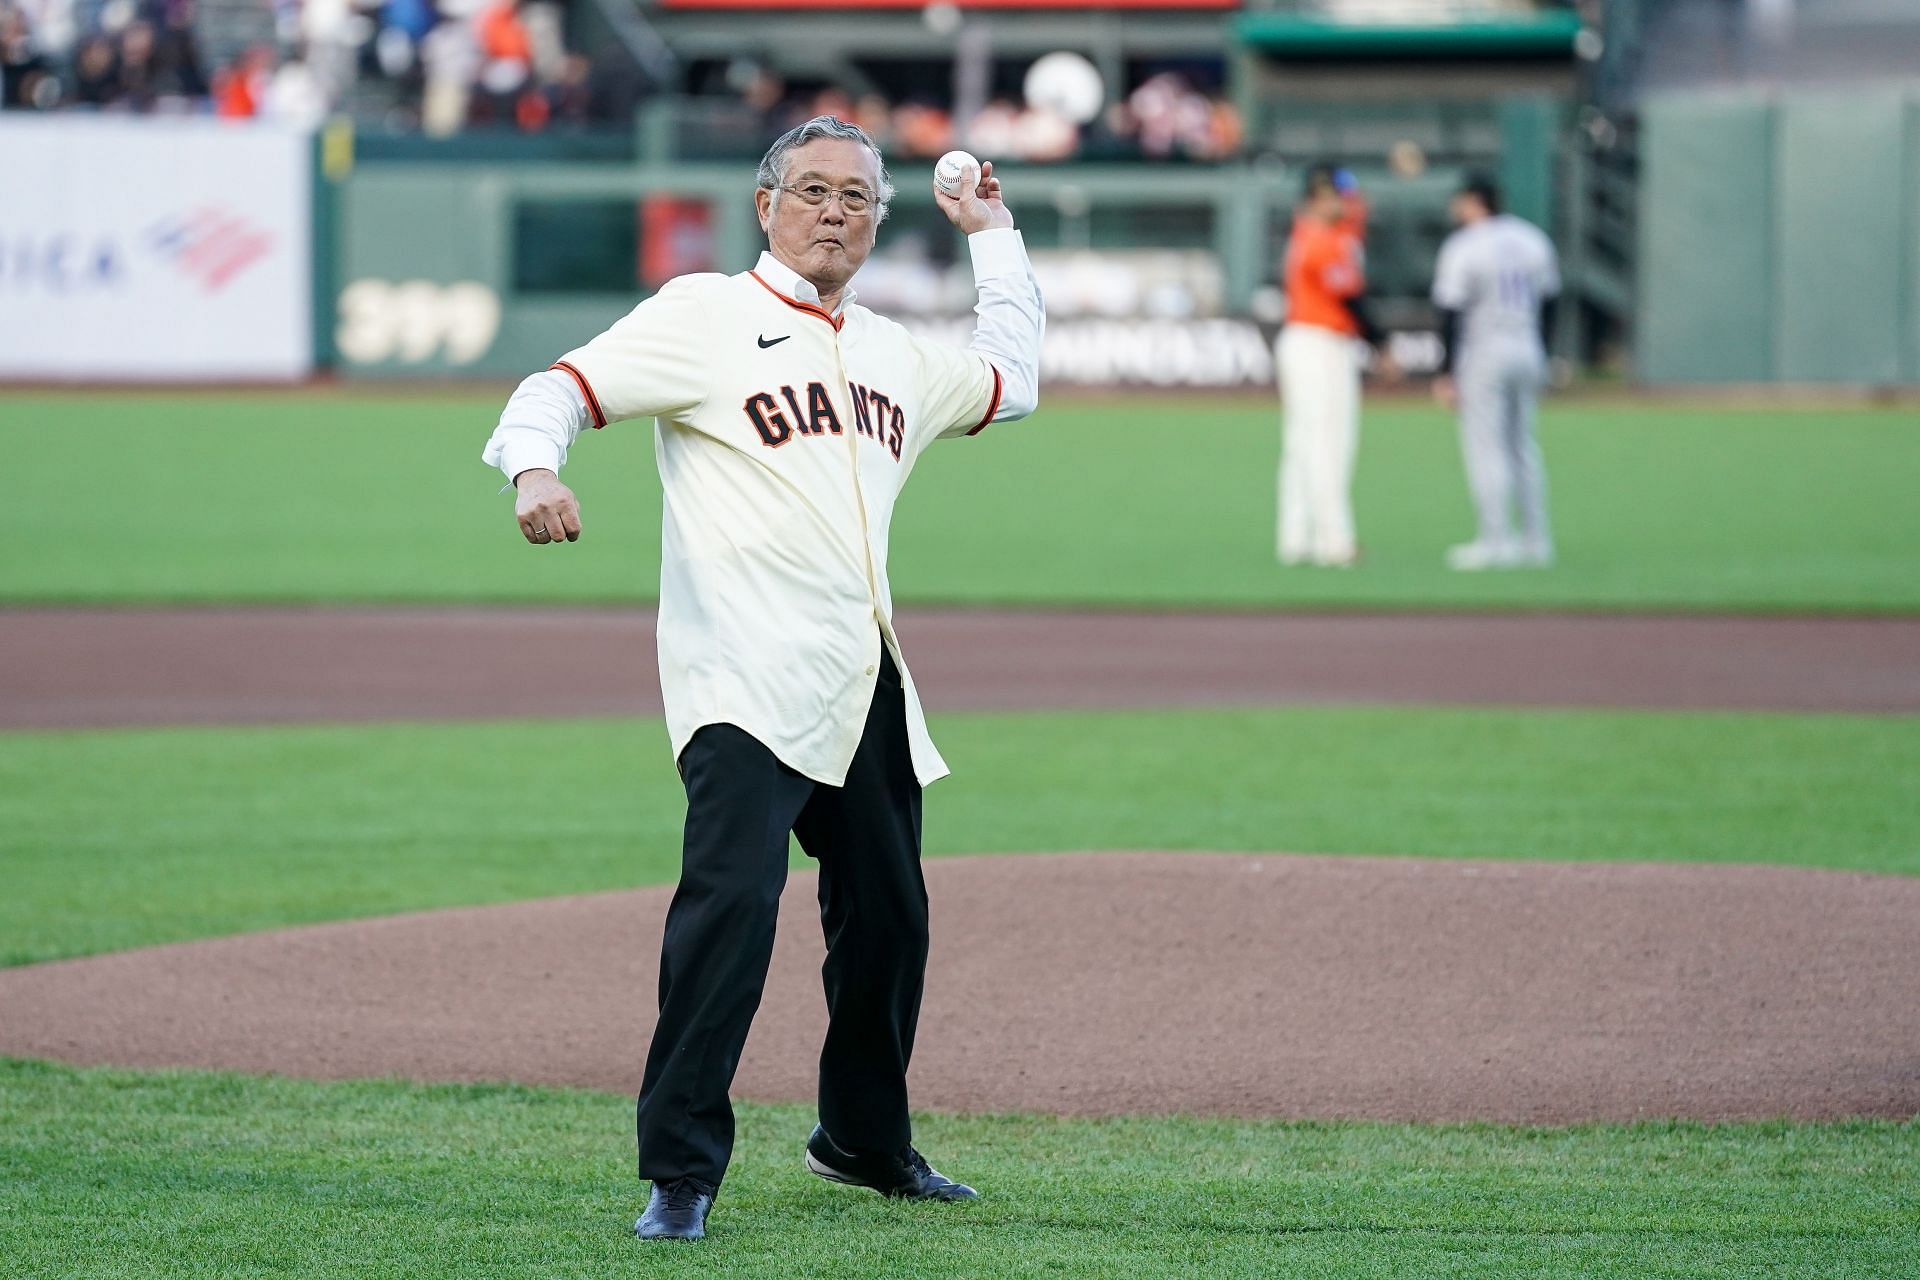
773 165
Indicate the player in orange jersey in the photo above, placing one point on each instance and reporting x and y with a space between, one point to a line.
1319 356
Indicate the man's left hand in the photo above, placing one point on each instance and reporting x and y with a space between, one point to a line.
1444 393
979 209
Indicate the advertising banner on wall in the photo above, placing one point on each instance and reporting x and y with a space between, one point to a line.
154 249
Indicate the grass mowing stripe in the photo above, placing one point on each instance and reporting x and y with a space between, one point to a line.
113 1173
1145 500
120 838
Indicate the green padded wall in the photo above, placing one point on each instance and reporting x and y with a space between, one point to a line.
1780 238
1837 292
1530 128
1706 241
1910 243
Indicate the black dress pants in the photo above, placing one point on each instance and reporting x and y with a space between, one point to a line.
741 803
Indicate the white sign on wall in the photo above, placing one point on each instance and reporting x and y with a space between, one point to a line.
150 249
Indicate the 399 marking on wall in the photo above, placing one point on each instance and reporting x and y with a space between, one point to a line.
412 321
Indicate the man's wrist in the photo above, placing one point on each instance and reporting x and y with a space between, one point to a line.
535 472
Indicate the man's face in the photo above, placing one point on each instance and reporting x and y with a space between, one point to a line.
821 242
1465 207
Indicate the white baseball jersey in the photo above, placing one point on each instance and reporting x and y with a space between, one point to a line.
1495 273
783 434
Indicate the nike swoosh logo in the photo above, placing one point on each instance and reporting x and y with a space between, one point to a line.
769 342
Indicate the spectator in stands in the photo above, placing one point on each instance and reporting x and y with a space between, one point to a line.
1168 117
991 129
96 71
178 81
570 96
505 45
830 101
21 65
451 58
1043 135
874 114
921 129
240 90
330 33
761 91
403 25
297 95
591 93
53 26
1225 134
138 87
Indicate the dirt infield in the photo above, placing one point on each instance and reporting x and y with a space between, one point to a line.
1399 989
109 667
1279 985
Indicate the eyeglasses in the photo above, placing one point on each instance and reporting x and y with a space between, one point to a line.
857 202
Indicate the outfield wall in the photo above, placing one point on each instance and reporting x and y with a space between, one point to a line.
1778 241
1780 238
148 249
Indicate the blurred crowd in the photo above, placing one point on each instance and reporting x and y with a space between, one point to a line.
438 65
1163 117
443 65
132 56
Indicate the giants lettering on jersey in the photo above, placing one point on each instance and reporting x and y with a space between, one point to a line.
777 419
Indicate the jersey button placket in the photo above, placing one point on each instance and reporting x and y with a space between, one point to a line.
859 492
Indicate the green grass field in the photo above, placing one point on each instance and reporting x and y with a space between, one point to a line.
115 1174
113 839
193 832
1152 501
200 831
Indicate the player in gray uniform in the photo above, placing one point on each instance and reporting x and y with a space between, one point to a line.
1495 287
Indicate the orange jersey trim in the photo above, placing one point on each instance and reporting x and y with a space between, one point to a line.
798 305
993 405
593 401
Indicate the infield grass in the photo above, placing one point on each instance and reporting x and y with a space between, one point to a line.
1156 501
114 839
114 1174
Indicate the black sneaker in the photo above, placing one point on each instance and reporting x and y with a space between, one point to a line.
676 1210
906 1176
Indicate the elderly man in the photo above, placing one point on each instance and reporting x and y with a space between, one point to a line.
787 420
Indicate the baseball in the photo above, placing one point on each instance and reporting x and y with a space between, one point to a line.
956 172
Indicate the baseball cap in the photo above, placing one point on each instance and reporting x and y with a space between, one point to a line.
1322 176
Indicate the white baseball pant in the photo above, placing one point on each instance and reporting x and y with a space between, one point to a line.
1319 431
1499 385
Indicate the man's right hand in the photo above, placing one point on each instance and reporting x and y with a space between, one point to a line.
546 509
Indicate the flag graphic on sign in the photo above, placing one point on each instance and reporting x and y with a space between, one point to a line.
210 245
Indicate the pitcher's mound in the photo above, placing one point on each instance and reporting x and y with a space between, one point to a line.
1400 989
